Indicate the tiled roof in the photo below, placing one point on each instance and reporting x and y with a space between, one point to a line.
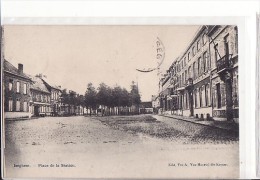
50 83
8 67
38 85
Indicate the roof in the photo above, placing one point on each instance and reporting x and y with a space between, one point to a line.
38 85
8 67
52 85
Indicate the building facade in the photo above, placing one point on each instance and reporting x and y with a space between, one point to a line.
203 81
224 58
16 91
41 98
55 95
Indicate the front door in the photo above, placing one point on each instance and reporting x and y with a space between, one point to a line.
36 110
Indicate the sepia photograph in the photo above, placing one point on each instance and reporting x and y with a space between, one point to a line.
120 101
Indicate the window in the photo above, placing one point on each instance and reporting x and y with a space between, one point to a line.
193 51
25 109
188 56
218 96
200 96
198 45
185 61
204 39
199 66
18 87
187 101
226 44
206 61
194 70
207 95
236 40
10 104
195 98
204 68
18 104
203 96
25 88
186 76
10 85
189 72
216 52
182 79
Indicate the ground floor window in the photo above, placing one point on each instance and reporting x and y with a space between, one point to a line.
195 97
203 96
10 104
218 95
18 105
25 106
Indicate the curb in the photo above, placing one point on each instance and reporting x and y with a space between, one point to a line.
194 122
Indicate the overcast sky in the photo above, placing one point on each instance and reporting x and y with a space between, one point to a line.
73 56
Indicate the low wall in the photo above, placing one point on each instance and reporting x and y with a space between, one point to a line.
204 111
17 115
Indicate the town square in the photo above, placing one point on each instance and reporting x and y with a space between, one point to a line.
153 101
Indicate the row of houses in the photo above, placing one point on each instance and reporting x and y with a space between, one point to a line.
203 81
26 95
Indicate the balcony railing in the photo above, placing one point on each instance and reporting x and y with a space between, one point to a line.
224 63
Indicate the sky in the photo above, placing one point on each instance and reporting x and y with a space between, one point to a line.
73 56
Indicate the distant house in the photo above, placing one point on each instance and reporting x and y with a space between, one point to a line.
155 101
55 95
41 98
16 91
146 107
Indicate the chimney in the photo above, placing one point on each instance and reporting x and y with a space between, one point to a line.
38 75
20 68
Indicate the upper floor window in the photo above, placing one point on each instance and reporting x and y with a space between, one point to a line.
17 86
206 61
25 88
193 51
226 44
194 70
189 72
198 45
10 85
188 56
204 39
216 52
199 66
185 61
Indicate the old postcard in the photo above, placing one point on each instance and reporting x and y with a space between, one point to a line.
120 101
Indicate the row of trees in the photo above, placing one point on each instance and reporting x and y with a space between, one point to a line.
104 96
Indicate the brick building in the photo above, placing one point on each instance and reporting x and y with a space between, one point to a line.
16 91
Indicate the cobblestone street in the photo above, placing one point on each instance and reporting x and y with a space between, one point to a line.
134 145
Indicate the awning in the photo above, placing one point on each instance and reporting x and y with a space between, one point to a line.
174 96
39 103
181 89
